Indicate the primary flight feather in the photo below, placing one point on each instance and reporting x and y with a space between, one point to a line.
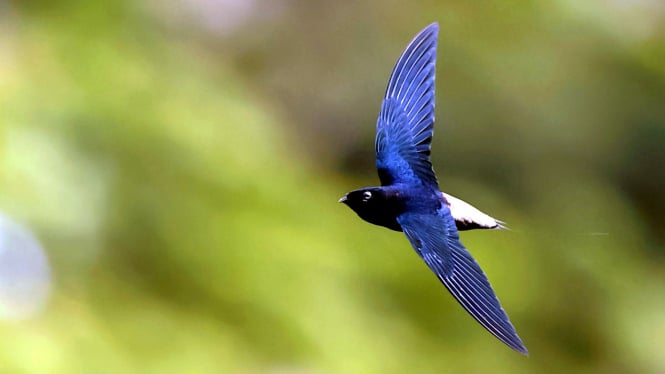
409 198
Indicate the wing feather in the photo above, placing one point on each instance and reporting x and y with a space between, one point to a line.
406 120
436 240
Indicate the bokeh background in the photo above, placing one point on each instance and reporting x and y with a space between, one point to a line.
170 170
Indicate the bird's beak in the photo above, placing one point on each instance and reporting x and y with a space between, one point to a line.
343 199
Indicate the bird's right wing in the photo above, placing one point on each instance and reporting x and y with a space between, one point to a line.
405 124
436 240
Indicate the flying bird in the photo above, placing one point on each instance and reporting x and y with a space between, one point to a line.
409 198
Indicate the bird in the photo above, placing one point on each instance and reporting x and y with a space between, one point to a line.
409 198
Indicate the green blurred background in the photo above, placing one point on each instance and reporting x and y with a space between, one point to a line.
180 161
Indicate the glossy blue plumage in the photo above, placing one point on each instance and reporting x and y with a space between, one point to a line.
406 121
436 240
409 198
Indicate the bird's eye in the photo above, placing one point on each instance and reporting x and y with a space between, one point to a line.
367 195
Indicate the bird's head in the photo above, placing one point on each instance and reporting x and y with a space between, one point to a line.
376 205
365 201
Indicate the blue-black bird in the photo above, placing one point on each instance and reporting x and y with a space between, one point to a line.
409 198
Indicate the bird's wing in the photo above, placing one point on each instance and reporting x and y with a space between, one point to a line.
405 124
436 240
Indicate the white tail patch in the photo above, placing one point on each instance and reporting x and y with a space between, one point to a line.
468 217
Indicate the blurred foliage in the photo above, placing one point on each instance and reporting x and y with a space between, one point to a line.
180 162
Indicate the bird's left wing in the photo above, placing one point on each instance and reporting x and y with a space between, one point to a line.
405 124
436 240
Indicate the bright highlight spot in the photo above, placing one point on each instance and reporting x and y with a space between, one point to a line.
25 276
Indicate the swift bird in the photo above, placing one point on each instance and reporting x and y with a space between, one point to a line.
409 198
